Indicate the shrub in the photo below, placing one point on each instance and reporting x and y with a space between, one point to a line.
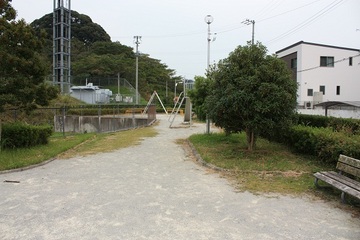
20 135
348 125
324 143
312 120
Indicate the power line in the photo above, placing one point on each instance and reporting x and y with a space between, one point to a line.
270 6
292 10
308 21
237 26
341 60
265 19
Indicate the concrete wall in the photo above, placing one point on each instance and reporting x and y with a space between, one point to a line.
340 113
82 124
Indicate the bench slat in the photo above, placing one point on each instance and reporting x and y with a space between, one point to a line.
349 165
343 179
342 185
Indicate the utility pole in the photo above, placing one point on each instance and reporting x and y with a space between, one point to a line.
137 41
248 22
208 19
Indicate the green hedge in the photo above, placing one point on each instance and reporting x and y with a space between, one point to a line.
20 135
312 120
348 125
324 143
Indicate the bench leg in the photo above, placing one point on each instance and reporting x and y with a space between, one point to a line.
343 200
316 183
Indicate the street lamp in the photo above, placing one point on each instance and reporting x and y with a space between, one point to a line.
175 89
208 19
248 22
176 83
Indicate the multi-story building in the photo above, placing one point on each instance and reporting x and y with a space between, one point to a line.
323 73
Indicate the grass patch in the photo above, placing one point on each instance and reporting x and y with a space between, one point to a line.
270 168
69 146
18 158
110 141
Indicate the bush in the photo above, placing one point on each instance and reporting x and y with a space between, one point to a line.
312 120
20 135
324 143
348 125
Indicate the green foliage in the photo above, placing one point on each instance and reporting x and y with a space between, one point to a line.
18 158
347 125
312 120
23 68
82 28
323 143
107 59
252 92
19 135
198 95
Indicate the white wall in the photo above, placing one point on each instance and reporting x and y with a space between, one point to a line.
343 75
332 113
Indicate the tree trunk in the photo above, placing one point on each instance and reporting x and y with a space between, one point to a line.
0 132
251 139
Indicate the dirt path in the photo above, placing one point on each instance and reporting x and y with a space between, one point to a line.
154 191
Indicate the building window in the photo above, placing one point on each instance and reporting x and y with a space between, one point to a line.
310 92
350 61
322 89
337 90
293 63
326 61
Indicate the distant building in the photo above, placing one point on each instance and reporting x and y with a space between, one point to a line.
323 73
189 84
91 94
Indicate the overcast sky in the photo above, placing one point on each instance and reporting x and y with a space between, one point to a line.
175 32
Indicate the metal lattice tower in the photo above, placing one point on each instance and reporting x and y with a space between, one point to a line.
62 44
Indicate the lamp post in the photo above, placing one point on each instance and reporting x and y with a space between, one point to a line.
208 19
248 22
176 83
175 89
137 40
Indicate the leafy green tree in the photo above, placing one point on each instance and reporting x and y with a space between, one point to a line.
252 92
82 28
198 95
22 68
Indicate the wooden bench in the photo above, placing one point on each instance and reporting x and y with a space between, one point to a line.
347 166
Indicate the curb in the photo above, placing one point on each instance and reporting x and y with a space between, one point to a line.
27 168
202 162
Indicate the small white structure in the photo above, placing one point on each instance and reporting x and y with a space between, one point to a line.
91 94
323 73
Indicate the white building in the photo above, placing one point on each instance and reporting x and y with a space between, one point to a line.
91 94
323 73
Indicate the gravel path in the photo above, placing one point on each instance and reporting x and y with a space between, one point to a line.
154 191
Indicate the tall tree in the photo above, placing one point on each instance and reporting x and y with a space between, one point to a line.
199 94
252 92
22 68
82 28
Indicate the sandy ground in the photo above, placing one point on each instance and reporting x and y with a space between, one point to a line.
155 191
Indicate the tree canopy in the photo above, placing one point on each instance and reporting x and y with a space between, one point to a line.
199 94
23 68
82 28
251 92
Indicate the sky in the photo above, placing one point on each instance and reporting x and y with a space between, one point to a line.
175 31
